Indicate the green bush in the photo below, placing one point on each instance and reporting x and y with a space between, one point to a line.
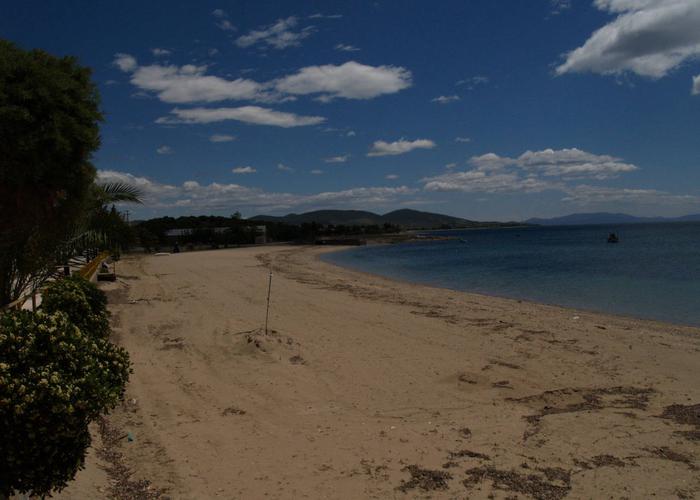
82 301
54 380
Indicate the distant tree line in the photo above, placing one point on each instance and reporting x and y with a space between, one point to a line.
218 231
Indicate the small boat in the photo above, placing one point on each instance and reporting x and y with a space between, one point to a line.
613 238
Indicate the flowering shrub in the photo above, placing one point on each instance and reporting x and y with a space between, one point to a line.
82 301
54 380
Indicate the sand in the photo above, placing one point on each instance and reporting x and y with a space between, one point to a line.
371 388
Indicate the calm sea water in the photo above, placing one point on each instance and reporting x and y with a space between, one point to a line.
654 272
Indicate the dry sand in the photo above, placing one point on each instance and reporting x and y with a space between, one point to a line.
371 388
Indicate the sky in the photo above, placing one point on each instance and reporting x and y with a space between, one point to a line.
483 109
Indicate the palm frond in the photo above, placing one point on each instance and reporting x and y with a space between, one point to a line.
115 192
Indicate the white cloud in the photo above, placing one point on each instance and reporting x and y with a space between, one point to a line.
318 15
191 83
222 21
446 99
532 171
160 52
279 35
473 81
696 85
450 165
188 83
565 163
284 168
462 139
226 25
222 138
573 163
247 114
473 181
648 37
125 62
351 133
351 80
337 159
243 170
559 6
391 177
346 48
164 150
316 171
383 148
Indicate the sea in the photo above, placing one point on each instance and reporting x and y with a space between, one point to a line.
653 272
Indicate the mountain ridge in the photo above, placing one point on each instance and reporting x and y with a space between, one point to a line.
586 218
406 217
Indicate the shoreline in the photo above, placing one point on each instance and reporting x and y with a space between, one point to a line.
366 387
572 309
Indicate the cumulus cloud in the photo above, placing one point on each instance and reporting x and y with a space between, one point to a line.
248 114
160 52
391 177
446 99
473 181
473 81
222 21
351 80
696 85
648 37
284 168
216 196
462 139
188 83
243 170
279 35
565 163
383 148
346 48
316 171
164 150
222 138
191 83
318 15
125 62
337 159
532 171
559 6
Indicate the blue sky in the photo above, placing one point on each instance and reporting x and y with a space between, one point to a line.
485 109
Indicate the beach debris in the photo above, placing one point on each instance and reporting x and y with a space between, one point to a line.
576 318
297 360
465 432
668 454
130 437
232 410
572 400
601 461
122 486
502 384
685 415
161 254
454 455
555 484
424 479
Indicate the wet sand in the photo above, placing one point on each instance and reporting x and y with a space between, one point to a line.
366 387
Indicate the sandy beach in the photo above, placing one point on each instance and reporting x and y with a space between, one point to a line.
366 387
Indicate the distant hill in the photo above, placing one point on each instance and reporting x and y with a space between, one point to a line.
407 218
607 218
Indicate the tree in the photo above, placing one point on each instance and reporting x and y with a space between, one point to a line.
49 116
